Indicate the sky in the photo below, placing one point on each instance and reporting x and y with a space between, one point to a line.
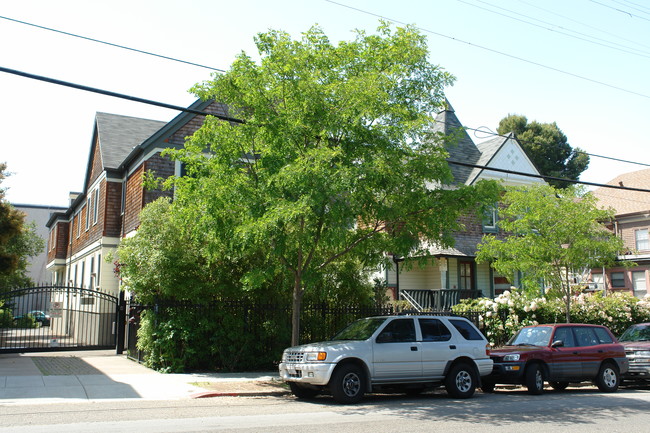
583 64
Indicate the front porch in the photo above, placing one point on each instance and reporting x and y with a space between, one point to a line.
440 282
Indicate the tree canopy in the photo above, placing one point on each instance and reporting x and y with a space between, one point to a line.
553 235
335 158
18 241
547 147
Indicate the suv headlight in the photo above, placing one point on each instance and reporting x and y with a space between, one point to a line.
511 357
316 356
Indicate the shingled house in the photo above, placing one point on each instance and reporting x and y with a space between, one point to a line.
121 151
631 223
452 273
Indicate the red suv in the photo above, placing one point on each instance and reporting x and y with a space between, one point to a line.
560 354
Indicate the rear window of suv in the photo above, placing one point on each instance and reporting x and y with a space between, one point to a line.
603 336
466 329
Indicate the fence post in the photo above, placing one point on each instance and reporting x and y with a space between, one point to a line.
120 324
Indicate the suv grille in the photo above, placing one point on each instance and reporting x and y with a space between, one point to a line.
294 356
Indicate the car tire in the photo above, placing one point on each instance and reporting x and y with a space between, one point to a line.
608 377
348 384
534 379
559 386
303 392
460 381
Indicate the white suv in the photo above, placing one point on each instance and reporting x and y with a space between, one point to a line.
391 353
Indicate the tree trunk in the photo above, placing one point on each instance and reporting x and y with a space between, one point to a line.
295 313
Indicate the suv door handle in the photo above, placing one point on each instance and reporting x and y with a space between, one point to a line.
414 348
452 346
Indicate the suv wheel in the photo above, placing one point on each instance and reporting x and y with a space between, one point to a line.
301 391
534 379
608 377
460 381
347 384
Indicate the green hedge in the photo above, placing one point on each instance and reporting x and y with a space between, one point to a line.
509 312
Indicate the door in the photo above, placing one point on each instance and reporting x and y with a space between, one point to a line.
590 349
566 363
437 347
396 353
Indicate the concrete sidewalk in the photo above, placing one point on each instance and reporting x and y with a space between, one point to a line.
54 377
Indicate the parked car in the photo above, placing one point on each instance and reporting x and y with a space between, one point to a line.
560 354
636 340
391 354
39 317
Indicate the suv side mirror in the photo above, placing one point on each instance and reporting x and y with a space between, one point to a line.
557 343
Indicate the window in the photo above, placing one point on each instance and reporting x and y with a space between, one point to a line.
79 224
565 335
398 331
603 336
95 205
639 284
490 220
71 230
99 267
641 238
466 275
88 207
585 336
618 279
466 329
434 330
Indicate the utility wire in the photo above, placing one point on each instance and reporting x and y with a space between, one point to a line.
240 121
587 38
619 10
115 94
112 44
492 50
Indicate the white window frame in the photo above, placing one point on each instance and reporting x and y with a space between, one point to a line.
95 205
641 240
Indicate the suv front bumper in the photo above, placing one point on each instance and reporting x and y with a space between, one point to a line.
313 373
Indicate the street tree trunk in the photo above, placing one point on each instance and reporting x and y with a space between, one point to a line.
295 313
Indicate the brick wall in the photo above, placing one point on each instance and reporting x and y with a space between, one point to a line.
134 201
112 209
626 230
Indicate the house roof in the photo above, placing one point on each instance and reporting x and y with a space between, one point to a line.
624 201
119 135
462 150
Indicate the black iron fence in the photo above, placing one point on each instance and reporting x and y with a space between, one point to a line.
244 334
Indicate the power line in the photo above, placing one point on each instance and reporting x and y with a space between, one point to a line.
115 94
591 40
619 10
541 176
496 134
111 44
492 50
240 121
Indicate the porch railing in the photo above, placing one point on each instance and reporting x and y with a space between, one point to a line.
437 299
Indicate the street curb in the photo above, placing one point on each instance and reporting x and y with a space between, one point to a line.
210 394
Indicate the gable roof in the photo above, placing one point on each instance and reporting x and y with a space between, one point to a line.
624 201
119 135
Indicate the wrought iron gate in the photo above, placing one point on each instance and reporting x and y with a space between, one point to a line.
53 318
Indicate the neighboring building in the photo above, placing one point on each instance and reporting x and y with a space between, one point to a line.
38 215
107 210
632 224
455 269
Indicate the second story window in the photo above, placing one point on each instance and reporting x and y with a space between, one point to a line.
490 220
641 238
95 205
88 207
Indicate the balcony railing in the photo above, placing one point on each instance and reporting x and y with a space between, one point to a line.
437 299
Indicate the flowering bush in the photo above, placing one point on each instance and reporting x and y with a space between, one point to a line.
503 316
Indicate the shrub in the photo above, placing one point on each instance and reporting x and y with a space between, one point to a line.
504 315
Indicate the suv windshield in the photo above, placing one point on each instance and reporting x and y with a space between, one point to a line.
360 330
636 333
539 336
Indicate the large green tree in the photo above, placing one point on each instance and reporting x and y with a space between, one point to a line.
18 242
548 148
554 234
335 159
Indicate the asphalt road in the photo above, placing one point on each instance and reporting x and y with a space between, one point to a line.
575 410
